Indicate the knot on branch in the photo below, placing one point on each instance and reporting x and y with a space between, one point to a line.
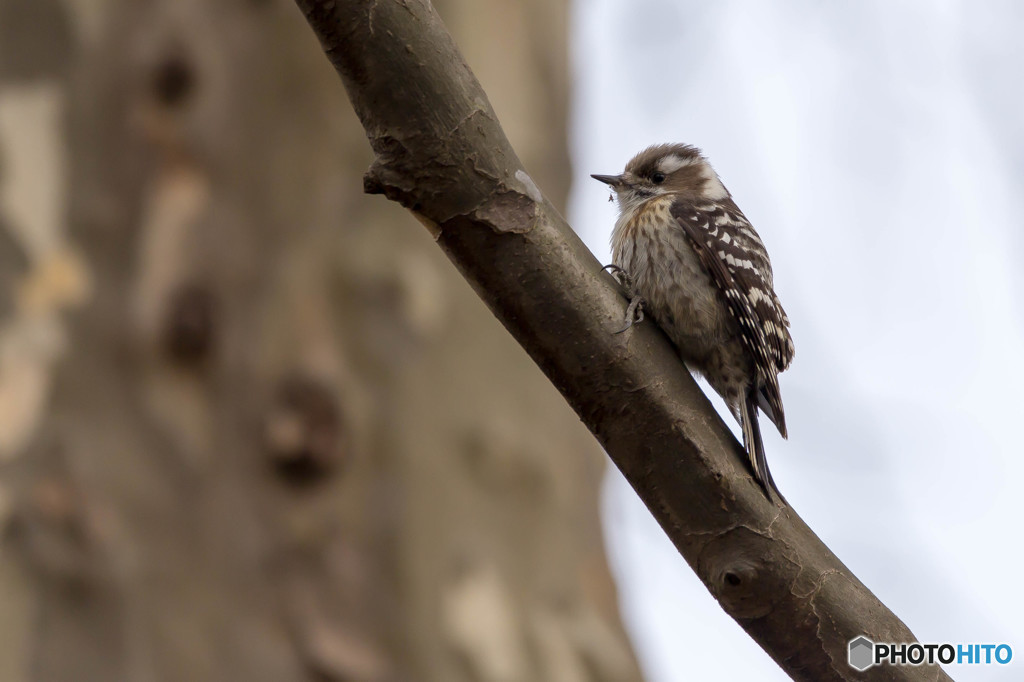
441 181
419 173
746 572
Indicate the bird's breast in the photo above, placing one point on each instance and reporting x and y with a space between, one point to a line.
649 245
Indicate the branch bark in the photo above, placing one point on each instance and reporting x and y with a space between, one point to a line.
441 153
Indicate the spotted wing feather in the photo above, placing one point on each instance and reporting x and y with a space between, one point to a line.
735 258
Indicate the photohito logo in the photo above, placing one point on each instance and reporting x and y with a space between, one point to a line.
864 653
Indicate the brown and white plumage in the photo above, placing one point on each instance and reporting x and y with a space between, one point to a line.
705 277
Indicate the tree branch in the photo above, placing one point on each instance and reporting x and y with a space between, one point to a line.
441 153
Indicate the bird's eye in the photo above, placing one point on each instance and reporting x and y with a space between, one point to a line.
657 177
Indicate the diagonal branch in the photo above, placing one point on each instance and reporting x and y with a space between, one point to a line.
441 153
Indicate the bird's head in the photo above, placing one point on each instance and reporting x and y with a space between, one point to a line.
665 169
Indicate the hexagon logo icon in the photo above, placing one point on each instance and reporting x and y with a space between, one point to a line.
862 653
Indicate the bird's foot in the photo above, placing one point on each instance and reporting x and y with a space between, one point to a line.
634 313
635 309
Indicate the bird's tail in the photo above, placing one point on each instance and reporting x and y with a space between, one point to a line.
754 446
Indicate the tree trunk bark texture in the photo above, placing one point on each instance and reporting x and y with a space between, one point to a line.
252 424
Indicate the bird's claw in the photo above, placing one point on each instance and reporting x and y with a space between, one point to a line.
635 309
621 276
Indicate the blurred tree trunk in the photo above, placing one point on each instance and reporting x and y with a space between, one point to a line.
253 426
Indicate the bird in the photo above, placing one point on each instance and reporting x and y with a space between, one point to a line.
689 257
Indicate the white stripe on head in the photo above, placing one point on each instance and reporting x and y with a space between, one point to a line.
673 162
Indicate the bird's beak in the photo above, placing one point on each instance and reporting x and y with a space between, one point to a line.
610 180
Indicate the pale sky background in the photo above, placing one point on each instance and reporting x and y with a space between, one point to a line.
878 147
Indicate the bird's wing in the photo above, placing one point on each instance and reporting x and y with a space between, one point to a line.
731 252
